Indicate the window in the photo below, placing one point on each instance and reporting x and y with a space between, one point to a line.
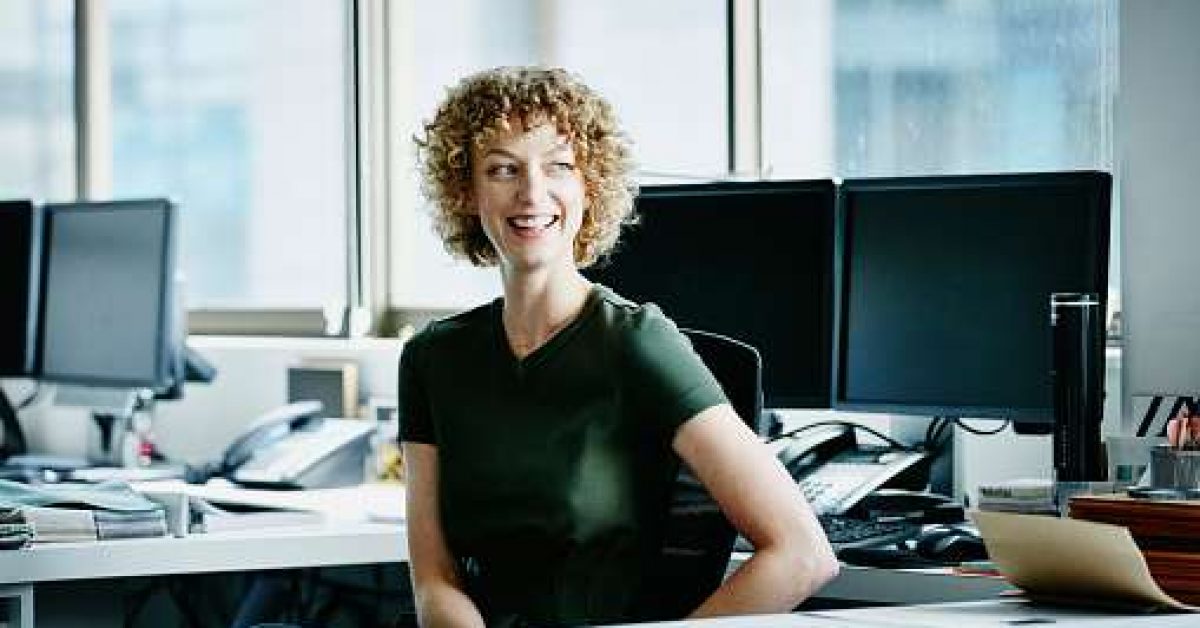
247 113
37 122
662 64
869 88
238 111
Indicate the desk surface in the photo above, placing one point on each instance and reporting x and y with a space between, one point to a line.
347 537
997 613
353 534
326 544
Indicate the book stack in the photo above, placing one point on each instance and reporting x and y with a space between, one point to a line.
15 533
56 513
1165 532
1026 496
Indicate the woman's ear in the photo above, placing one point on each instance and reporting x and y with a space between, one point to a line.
468 204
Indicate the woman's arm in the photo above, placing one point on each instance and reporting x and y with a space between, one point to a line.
792 557
439 594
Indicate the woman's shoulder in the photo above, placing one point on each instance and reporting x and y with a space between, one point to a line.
456 326
634 323
627 313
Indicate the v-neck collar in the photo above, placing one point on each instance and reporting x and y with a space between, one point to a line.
548 348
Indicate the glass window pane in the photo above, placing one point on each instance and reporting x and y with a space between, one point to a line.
872 88
37 118
237 110
662 64
936 87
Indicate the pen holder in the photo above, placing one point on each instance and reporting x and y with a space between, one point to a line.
1175 468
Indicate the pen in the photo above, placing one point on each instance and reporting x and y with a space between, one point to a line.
1174 429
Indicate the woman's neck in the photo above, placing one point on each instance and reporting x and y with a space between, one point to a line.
539 305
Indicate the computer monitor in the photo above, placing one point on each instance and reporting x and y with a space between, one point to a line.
945 284
107 295
18 269
749 260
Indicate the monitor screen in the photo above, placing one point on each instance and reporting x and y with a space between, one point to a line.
107 284
945 284
18 256
749 260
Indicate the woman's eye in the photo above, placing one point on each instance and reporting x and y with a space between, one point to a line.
502 170
562 166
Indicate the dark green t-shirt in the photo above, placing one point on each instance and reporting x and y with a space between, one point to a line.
554 469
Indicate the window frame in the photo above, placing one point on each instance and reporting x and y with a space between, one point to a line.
94 170
374 33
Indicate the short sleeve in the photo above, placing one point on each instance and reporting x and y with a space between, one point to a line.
665 375
416 424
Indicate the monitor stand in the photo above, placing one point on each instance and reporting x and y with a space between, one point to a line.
14 438
113 412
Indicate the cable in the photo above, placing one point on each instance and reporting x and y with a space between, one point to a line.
33 395
978 432
933 431
938 426
933 434
876 433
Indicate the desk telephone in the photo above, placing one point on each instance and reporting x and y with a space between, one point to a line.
837 474
294 447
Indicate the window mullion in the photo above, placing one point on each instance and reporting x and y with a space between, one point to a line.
745 88
93 101
372 184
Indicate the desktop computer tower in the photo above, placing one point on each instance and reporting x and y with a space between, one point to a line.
1077 378
19 253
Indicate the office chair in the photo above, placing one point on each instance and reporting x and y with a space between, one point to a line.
698 538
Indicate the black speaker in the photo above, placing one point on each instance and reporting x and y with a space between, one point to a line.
20 229
1077 374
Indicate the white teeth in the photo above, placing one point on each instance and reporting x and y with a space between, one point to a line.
532 222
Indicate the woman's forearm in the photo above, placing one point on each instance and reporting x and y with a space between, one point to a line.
443 605
773 580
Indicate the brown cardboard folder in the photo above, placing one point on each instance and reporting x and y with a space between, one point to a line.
1074 562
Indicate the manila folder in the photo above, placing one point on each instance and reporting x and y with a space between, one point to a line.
1068 560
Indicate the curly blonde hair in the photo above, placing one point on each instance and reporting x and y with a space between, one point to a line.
484 104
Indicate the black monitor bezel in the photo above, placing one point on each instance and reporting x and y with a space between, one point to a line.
164 359
1099 186
29 300
765 187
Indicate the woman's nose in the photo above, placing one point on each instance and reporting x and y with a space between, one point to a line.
533 184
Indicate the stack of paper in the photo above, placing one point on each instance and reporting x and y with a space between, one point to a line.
207 516
80 512
15 533
1029 496
57 525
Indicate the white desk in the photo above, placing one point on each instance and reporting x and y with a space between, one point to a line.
346 538
990 613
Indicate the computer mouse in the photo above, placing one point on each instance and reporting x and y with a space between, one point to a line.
950 544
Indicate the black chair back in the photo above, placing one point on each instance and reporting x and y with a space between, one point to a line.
698 538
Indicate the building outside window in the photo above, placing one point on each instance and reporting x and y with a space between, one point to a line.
37 120
238 111
879 88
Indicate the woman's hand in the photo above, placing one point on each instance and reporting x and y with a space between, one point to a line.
792 557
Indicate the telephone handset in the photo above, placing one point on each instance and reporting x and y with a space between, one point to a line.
835 472
294 447
272 426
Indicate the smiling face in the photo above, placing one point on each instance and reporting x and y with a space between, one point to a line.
530 196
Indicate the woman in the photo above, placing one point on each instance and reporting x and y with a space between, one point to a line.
542 431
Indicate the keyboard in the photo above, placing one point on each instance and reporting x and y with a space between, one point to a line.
844 532
847 532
